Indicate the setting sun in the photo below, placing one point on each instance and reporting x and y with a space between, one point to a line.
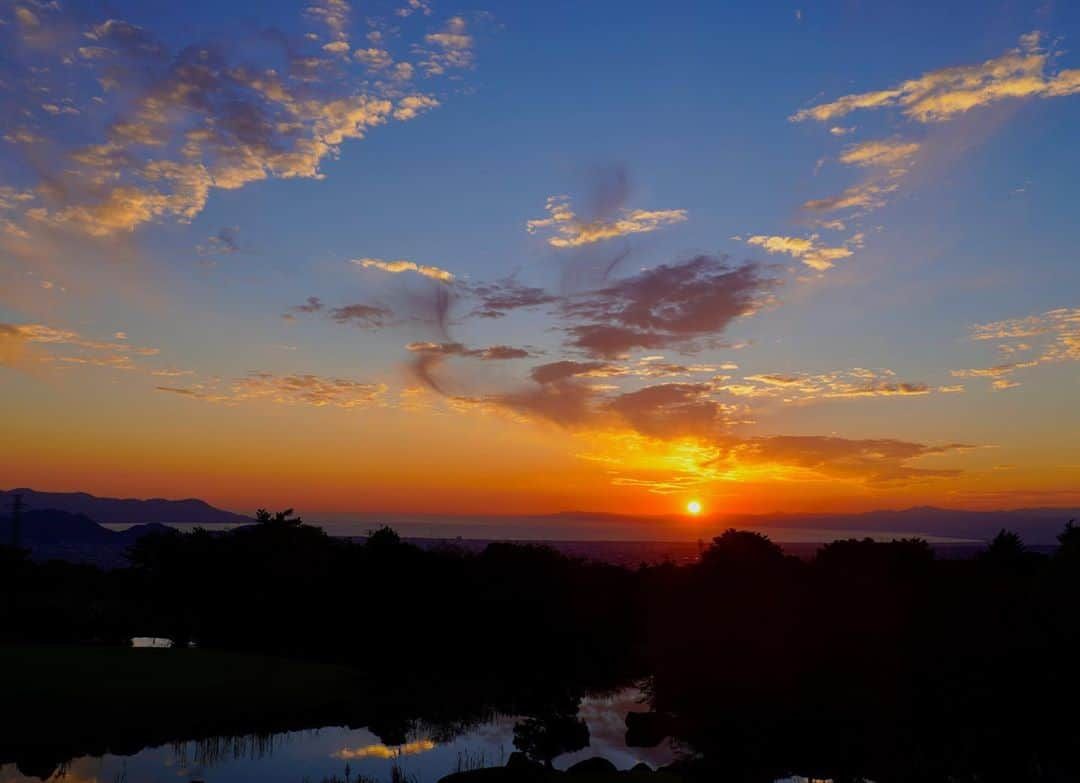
693 507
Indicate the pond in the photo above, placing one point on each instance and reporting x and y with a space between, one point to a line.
323 753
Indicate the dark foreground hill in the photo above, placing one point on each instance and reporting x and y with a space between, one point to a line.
75 538
123 510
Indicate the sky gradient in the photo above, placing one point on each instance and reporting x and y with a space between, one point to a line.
523 258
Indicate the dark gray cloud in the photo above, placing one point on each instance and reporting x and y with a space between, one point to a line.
671 305
671 410
502 296
361 315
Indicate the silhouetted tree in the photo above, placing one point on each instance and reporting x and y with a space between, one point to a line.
1069 541
280 519
741 548
1006 549
383 537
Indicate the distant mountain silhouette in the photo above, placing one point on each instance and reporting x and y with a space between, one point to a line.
122 510
1036 525
58 535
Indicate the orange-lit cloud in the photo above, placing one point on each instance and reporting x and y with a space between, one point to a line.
889 153
380 751
201 123
397 267
943 94
862 198
451 47
572 231
846 384
809 250
19 341
303 389
1053 336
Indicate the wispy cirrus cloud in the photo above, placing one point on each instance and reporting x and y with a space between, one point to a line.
298 389
889 153
855 383
1049 337
876 461
397 267
568 230
25 345
943 94
861 198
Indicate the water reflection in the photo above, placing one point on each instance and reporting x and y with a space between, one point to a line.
292 757
380 751
155 642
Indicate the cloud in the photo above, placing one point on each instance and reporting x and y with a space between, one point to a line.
23 346
807 249
670 305
863 197
451 47
171 372
493 352
380 751
414 6
312 305
890 153
502 296
334 14
412 106
874 461
888 160
428 356
397 267
945 93
301 389
571 231
224 242
995 371
179 125
1053 336
671 410
842 384
373 57
1061 320
682 427
361 315
553 372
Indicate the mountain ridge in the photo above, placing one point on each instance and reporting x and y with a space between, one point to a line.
135 511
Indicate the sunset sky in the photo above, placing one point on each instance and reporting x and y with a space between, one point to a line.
526 257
